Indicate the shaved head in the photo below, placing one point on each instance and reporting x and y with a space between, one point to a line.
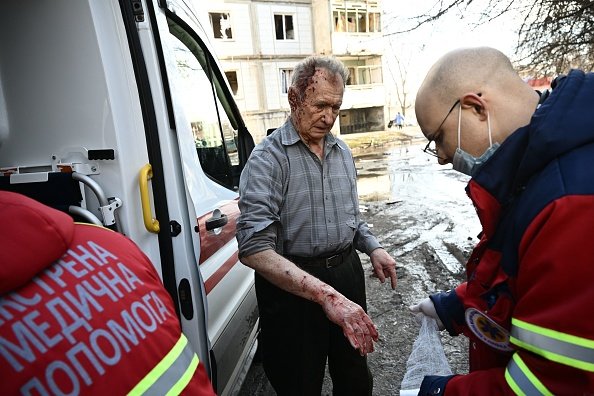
463 70
484 86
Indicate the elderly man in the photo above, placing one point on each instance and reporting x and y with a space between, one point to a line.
299 229
527 303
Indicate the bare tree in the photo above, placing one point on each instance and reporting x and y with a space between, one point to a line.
400 79
553 35
557 36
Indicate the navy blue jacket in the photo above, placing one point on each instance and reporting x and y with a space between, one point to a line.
532 273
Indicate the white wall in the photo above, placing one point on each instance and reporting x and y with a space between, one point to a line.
303 42
258 124
275 98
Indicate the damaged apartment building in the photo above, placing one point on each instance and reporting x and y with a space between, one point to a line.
260 41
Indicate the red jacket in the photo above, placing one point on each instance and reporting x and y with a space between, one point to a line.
83 311
532 274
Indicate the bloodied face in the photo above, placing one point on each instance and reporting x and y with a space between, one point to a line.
315 113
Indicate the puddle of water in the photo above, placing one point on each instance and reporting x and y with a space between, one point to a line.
375 188
407 173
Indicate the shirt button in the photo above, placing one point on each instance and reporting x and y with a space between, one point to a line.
436 391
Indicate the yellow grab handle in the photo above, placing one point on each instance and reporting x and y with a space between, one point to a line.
150 223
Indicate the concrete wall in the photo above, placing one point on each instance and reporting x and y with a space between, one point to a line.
322 26
303 41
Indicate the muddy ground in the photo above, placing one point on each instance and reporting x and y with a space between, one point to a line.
421 215
420 272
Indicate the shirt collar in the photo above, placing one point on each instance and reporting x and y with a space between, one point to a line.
289 136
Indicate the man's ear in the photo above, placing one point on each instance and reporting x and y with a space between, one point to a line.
475 102
293 98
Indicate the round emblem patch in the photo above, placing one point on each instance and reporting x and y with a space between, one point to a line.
487 330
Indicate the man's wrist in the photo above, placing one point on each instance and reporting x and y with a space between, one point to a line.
376 251
324 293
371 246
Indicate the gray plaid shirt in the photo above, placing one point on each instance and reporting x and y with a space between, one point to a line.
292 202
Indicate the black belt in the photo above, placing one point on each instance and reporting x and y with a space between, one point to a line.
328 262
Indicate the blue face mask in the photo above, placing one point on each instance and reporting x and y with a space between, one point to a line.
466 163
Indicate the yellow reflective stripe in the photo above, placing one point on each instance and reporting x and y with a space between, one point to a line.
585 342
559 347
160 368
512 384
522 380
185 379
553 356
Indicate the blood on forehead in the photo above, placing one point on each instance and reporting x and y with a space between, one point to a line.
316 74
324 74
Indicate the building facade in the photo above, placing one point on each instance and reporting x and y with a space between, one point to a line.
260 41
355 39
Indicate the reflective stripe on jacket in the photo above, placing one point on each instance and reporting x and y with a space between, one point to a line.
171 375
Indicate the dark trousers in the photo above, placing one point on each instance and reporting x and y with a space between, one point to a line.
297 338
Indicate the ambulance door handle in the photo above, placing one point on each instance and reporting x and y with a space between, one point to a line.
150 223
217 220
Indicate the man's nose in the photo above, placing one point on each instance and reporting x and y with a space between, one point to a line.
329 116
442 161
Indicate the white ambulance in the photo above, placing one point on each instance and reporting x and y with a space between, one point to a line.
118 112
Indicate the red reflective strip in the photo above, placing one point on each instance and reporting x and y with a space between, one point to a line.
221 272
210 242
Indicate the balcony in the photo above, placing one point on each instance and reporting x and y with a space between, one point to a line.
357 44
360 96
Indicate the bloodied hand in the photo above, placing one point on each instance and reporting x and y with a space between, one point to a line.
355 323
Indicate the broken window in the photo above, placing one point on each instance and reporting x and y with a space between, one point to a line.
232 78
364 75
356 20
221 25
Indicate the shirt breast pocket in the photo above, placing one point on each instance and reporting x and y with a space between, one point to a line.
345 187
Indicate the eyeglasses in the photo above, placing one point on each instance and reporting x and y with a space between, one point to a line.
433 150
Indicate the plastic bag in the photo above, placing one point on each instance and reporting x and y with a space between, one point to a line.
426 358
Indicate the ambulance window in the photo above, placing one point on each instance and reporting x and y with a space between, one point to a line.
213 130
